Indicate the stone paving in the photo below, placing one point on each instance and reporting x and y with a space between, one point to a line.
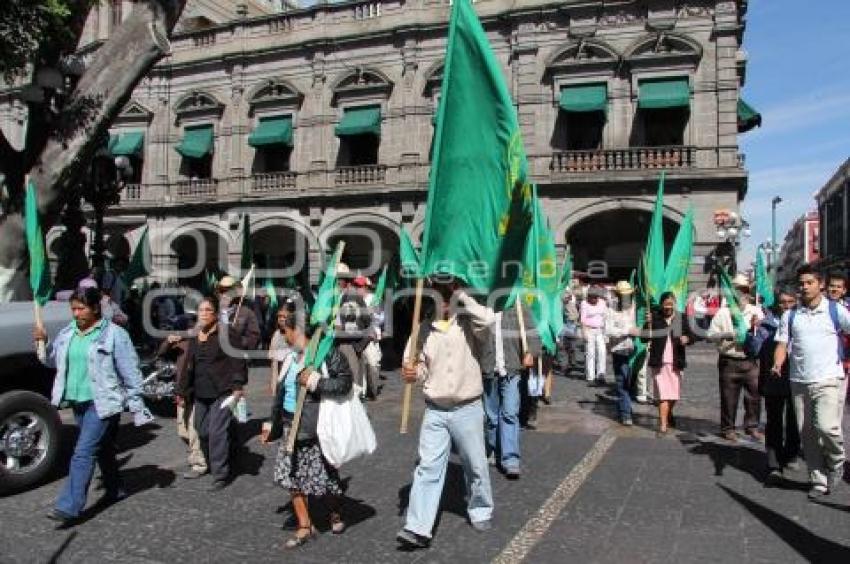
690 497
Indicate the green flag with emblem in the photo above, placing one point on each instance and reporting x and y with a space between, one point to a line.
764 283
39 267
679 262
479 197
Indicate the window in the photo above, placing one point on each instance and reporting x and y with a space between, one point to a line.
664 127
663 111
584 130
359 136
115 15
197 169
273 158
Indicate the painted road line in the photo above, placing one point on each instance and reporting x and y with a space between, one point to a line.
536 527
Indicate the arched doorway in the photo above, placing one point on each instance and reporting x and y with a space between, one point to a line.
368 246
282 255
198 251
609 244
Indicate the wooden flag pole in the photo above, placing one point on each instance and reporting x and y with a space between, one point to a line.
522 335
414 354
41 345
302 394
547 387
242 297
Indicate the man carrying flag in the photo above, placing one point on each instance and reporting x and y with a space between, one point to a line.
478 164
737 370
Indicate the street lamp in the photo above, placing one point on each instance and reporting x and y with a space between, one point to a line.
101 189
730 228
774 246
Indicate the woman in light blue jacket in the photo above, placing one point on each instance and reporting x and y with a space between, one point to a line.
97 374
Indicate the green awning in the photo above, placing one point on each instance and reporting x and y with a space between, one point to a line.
275 130
359 121
197 142
664 93
748 117
584 98
129 143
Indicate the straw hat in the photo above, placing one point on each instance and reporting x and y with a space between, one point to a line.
741 281
227 282
343 272
623 288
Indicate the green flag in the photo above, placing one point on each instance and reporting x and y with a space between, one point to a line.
271 292
731 296
567 271
328 295
380 289
408 257
764 283
39 268
638 355
541 282
247 258
316 355
479 198
138 263
209 282
654 265
679 262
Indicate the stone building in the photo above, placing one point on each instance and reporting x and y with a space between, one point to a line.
833 201
316 125
801 246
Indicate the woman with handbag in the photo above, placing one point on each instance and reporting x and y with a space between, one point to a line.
305 471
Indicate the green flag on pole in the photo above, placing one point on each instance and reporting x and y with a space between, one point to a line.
567 271
138 263
328 295
638 355
764 283
408 257
271 292
731 296
380 289
39 268
679 262
654 262
479 198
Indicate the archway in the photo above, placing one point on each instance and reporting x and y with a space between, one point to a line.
282 255
198 251
609 244
369 245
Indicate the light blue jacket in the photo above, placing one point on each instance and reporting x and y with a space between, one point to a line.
113 368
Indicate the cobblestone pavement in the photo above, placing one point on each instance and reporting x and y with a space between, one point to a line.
591 491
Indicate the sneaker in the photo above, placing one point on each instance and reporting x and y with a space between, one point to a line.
774 478
218 485
491 459
482 526
194 474
61 517
513 473
817 492
411 540
794 465
626 421
833 478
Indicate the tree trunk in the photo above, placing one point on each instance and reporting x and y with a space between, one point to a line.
103 90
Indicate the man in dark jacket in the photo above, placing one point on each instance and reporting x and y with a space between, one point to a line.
503 364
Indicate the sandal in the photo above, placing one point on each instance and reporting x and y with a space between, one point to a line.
299 538
337 524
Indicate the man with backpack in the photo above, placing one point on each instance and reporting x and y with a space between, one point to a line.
836 289
811 335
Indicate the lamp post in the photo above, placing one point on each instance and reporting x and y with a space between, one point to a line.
731 227
774 246
101 189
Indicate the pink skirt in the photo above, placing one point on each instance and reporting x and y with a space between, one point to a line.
668 382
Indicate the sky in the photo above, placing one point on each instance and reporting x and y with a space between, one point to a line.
798 77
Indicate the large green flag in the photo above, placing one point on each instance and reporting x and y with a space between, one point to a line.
679 263
247 258
654 264
541 280
138 263
764 283
324 308
479 198
731 297
638 356
567 271
39 268
380 289
408 257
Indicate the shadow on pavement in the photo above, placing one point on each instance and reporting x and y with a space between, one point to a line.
808 545
62 547
452 500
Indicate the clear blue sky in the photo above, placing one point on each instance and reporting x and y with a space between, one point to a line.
798 77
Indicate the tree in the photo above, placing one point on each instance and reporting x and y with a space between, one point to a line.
60 142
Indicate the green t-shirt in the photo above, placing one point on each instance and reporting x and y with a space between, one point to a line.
77 383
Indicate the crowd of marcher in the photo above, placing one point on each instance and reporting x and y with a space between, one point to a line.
482 374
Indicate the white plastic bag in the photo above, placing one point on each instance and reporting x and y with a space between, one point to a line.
344 430
536 383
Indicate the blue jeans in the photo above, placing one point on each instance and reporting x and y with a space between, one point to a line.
441 428
501 405
96 442
623 376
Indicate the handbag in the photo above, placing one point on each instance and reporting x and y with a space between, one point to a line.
344 430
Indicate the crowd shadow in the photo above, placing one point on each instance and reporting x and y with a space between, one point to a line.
452 500
809 546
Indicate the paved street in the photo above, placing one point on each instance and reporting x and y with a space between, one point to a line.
609 495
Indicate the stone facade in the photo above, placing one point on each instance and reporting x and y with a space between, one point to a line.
313 64
833 201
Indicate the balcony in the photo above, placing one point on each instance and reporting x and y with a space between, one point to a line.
357 175
192 189
132 192
634 158
271 182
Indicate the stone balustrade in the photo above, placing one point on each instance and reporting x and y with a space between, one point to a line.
365 174
632 158
272 182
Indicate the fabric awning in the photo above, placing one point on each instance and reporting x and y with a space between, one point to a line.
748 117
197 142
584 98
270 131
359 121
664 93
128 143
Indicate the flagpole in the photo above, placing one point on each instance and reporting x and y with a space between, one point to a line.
40 345
522 336
242 297
414 354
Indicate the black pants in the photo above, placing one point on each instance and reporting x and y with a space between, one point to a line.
213 425
737 375
781 435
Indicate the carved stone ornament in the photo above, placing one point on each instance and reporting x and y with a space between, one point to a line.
196 103
619 18
686 12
